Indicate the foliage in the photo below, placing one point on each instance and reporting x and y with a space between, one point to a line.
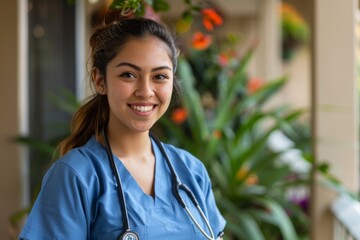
293 24
222 117
228 128
295 30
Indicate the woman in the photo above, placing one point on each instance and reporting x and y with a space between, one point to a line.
134 62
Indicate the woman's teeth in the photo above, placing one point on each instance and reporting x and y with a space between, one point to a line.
142 108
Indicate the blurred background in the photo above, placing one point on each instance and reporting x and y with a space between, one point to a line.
270 105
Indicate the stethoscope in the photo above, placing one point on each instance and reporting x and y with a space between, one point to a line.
128 234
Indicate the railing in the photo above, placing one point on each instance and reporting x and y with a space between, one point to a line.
347 218
346 210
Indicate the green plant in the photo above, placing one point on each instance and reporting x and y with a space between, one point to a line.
230 137
295 30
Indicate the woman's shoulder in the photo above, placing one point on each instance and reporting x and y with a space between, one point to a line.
181 153
184 159
190 169
90 154
84 162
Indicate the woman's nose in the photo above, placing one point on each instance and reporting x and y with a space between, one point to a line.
144 89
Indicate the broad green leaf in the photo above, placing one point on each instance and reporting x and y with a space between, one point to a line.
160 5
264 94
41 146
282 219
192 101
65 100
245 221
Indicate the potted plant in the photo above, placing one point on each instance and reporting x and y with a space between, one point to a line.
295 31
226 126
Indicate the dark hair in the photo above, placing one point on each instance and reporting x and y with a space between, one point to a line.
105 43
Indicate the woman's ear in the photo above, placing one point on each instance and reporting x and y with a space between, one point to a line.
99 81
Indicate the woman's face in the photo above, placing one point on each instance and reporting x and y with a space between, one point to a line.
139 84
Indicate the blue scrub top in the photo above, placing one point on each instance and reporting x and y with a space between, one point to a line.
78 199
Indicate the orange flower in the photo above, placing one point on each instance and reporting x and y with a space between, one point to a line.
289 13
252 180
224 58
254 84
217 134
201 41
211 18
179 115
242 174
289 9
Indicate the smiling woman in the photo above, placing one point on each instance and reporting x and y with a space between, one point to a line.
138 86
114 179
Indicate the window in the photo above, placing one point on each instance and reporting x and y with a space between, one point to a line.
51 68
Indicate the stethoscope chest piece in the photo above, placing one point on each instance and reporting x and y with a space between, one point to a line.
129 235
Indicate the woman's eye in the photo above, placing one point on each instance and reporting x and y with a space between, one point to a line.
161 77
127 75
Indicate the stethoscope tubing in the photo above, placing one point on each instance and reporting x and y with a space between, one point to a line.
177 186
118 182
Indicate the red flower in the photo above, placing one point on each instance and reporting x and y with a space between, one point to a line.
179 115
211 18
201 41
254 84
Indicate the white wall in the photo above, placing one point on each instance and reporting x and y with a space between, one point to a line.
335 104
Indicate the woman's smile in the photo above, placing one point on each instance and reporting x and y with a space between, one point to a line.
144 108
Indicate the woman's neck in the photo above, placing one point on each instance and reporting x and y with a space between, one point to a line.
135 152
129 144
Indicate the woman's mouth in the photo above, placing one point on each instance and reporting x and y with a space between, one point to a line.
143 109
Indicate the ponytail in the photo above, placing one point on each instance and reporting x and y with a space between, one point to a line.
89 120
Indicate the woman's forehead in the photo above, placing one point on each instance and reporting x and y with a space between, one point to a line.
146 50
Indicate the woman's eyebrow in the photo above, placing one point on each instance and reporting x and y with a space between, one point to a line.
161 68
129 65
139 68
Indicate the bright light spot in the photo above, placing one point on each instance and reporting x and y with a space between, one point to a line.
93 1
